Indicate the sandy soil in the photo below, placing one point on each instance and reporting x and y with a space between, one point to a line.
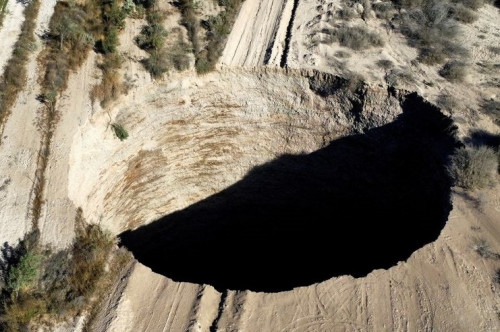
10 30
56 222
20 148
480 84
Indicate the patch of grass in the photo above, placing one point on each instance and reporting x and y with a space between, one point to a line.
454 71
119 131
473 167
357 38
15 73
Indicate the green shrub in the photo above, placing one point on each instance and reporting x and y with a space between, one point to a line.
454 71
152 37
24 274
473 167
119 131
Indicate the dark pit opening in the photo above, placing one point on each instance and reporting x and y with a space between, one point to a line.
364 202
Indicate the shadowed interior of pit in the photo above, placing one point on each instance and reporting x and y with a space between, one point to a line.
361 203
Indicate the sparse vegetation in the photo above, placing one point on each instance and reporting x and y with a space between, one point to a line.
71 38
496 276
45 287
24 273
347 14
491 108
152 36
385 64
454 71
356 38
463 14
473 167
342 54
217 29
397 77
112 18
431 27
111 86
494 49
3 10
14 76
447 101
483 249
119 131
153 39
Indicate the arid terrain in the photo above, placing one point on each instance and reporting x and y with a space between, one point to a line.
291 174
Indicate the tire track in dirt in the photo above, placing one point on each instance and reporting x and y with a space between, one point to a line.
258 35
288 37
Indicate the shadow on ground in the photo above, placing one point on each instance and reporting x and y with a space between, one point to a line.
364 202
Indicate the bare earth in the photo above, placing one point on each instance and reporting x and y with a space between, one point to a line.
191 137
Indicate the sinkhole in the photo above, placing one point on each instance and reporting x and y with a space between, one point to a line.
362 202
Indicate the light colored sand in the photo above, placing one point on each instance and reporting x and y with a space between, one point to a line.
10 30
